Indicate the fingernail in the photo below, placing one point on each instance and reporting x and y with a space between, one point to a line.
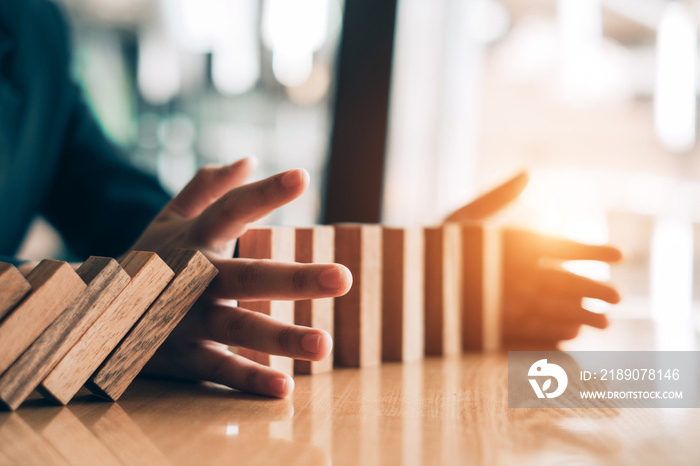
277 386
311 343
331 278
293 178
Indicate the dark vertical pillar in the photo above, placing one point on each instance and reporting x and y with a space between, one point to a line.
353 189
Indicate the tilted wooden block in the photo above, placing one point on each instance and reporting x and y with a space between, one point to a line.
193 273
403 320
275 243
149 276
316 244
481 278
13 287
105 279
443 290
55 285
358 316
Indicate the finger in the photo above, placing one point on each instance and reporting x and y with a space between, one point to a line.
518 240
556 282
537 329
252 280
209 184
568 312
240 327
216 364
229 216
492 202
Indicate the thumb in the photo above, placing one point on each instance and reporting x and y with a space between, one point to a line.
209 184
492 202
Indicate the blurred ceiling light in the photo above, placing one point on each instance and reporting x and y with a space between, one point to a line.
591 69
294 30
236 55
196 23
158 66
676 93
487 20
315 88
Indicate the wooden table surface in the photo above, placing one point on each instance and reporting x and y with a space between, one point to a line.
438 411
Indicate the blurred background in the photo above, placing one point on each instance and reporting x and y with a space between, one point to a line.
596 98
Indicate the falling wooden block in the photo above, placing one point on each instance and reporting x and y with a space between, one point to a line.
149 276
403 321
13 287
105 279
358 316
193 273
481 279
443 291
275 243
316 244
55 285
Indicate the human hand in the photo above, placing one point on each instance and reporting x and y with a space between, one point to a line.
541 301
209 214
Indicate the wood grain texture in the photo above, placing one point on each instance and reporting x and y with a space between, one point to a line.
149 276
358 316
276 243
443 290
481 278
105 279
438 411
13 287
315 244
55 285
193 273
403 320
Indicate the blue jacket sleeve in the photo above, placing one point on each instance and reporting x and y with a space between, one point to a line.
98 201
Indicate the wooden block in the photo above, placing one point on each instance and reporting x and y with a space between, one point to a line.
55 285
358 316
193 273
443 291
403 321
481 278
149 276
13 287
105 279
275 243
316 244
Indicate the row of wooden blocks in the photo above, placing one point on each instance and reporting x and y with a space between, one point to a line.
416 291
98 326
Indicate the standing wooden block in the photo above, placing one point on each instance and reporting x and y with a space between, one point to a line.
105 279
403 321
316 244
443 291
275 243
358 316
193 273
13 287
481 278
55 285
149 276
